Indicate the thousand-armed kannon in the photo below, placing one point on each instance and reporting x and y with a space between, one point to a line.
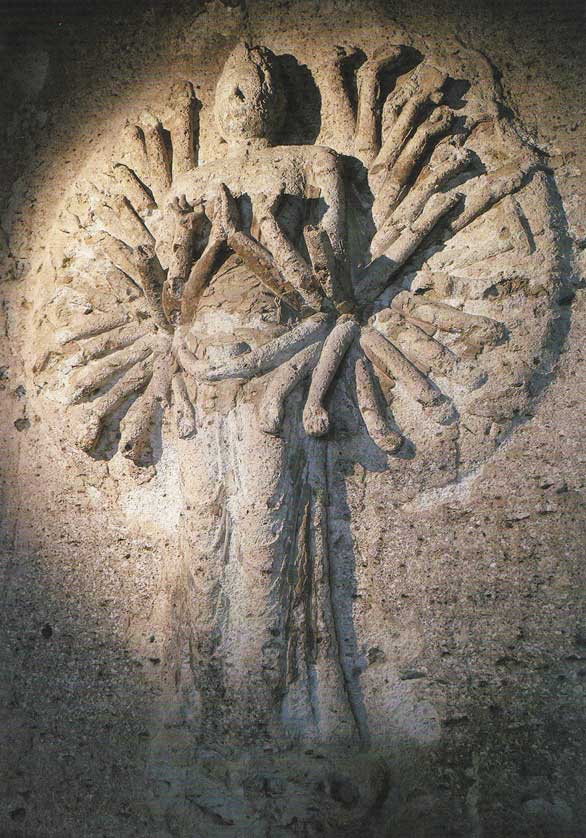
284 299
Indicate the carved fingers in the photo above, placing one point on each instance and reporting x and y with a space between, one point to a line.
188 277
226 221
155 154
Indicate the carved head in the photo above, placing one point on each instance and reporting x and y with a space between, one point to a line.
250 101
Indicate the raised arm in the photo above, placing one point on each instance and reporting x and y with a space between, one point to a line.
367 136
355 126
325 175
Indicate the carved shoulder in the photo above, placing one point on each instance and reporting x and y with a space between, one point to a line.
317 157
325 159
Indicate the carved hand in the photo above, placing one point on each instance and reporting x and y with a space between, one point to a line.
226 219
381 59
265 206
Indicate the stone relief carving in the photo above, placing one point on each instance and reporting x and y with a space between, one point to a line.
385 301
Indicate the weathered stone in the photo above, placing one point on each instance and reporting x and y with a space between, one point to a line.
272 340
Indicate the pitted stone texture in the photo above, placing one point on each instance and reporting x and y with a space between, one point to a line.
451 593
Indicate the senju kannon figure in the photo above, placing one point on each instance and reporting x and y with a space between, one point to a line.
279 299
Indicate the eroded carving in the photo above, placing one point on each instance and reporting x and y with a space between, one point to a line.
301 307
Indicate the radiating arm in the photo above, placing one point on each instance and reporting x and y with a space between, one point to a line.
273 353
315 417
137 424
371 410
283 381
377 276
368 118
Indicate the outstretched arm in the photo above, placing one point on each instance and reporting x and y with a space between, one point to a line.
199 277
378 275
326 176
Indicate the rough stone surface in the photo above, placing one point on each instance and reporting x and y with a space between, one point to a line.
165 670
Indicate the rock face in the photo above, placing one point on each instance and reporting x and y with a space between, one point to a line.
289 513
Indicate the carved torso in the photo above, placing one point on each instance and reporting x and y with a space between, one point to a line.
287 170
